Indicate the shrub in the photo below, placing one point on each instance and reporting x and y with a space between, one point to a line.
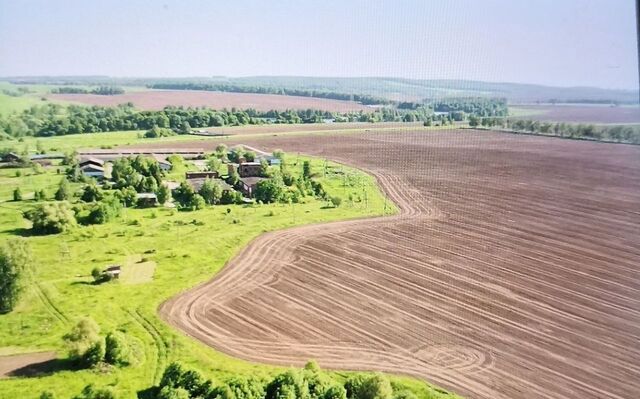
91 192
94 354
163 194
47 395
362 386
96 273
40 195
171 375
89 392
336 201
289 384
173 393
104 211
17 194
51 218
211 191
128 196
270 190
64 190
197 202
230 197
117 350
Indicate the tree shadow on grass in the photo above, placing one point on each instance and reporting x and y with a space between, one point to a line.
19 231
44 368
149 393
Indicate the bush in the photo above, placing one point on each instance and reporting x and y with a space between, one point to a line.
163 194
94 354
156 132
104 211
47 395
289 384
230 197
91 192
51 218
362 386
211 191
64 190
336 201
89 392
40 195
197 202
17 194
128 196
117 350
173 393
270 190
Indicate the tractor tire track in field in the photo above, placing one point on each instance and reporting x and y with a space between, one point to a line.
511 270
49 305
158 341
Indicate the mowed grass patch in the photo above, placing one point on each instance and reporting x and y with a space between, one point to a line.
137 270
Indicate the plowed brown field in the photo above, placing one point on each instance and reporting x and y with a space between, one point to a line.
512 270
158 99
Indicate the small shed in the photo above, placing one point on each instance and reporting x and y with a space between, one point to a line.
145 200
112 271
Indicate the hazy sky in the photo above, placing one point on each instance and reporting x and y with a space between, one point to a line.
555 42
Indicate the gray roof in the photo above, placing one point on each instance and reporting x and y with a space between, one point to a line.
250 181
146 195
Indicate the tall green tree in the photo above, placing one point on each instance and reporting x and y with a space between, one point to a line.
16 269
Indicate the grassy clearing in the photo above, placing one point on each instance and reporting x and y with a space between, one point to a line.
522 112
180 250
137 270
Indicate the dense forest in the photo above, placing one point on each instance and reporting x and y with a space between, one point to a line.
101 90
232 88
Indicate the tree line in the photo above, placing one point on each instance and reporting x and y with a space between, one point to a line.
101 90
616 134
234 88
311 382
58 120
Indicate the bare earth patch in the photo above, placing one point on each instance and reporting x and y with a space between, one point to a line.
582 113
511 271
25 364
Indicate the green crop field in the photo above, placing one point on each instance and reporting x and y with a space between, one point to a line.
171 250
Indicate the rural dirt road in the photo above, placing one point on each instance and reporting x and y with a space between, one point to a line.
511 271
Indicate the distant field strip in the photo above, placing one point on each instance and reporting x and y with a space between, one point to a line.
510 272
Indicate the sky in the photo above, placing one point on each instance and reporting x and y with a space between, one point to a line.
551 42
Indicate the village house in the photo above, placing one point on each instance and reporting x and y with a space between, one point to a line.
11 158
92 167
249 169
248 185
163 163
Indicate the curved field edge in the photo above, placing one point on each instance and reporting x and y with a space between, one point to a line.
65 262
